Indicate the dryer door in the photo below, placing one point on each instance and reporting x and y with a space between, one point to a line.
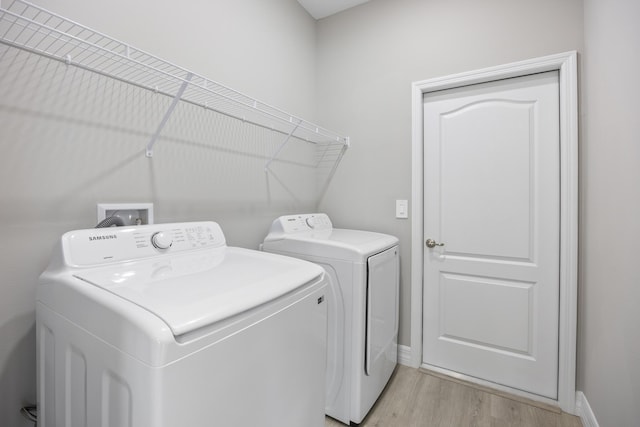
382 309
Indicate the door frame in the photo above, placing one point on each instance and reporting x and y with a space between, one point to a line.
566 65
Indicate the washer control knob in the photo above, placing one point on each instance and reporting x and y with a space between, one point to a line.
161 240
311 222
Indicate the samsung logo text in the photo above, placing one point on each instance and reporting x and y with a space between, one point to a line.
104 237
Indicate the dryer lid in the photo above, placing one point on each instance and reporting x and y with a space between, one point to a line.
195 290
352 245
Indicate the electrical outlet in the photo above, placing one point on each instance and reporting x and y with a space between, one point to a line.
130 213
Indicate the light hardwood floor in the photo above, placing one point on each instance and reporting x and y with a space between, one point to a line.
417 399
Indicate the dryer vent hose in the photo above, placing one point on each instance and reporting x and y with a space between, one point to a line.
110 221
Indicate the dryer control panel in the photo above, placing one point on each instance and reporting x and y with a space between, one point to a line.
292 224
117 244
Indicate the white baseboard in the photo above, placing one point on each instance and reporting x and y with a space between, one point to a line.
583 410
404 355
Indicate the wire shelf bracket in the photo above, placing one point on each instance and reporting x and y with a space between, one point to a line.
149 150
277 152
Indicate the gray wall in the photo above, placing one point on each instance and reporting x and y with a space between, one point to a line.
367 59
609 339
71 139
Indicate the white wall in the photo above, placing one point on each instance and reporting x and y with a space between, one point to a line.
609 339
70 139
367 59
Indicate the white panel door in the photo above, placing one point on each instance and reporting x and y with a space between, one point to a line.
492 206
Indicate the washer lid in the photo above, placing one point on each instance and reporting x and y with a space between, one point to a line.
354 245
196 290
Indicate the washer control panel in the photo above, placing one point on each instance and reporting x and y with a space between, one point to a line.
117 244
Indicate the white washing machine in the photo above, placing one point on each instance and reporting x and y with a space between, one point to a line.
363 268
166 326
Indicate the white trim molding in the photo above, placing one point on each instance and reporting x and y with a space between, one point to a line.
583 410
404 355
566 65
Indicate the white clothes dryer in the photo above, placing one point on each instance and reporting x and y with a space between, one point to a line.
166 326
363 268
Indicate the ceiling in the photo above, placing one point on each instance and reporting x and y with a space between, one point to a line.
323 8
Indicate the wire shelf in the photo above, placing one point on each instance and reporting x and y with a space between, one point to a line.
34 29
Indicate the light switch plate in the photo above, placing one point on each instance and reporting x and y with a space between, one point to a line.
402 209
